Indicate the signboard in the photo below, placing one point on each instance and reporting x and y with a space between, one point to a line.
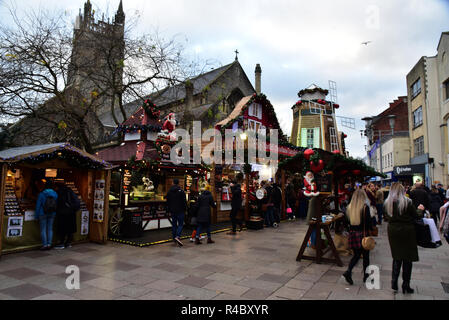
409 170
324 183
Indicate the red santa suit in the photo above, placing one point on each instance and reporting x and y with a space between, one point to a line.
310 189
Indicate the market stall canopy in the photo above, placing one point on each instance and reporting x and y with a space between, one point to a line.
335 162
56 153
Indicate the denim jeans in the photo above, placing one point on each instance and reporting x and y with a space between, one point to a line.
46 224
269 219
177 221
203 226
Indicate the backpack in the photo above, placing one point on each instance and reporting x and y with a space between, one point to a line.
50 205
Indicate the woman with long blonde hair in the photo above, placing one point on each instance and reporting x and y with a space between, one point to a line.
358 214
401 214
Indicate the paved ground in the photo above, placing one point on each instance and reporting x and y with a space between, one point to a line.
252 265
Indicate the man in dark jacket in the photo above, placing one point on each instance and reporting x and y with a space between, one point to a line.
176 205
236 204
205 202
420 196
68 205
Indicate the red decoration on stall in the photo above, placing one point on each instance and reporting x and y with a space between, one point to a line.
343 172
308 153
336 152
345 135
317 167
336 106
356 172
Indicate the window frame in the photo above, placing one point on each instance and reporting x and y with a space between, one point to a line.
417 124
418 145
412 88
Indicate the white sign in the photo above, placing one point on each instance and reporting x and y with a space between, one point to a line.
260 194
30 215
84 223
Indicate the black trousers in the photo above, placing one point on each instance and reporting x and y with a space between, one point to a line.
356 258
66 238
406 271
234 220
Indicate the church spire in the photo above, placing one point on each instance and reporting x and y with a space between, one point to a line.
120 15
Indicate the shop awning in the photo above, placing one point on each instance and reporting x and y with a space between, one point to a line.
57 151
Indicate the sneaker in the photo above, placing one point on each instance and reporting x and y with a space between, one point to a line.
191 239
178 241
60 246
197 241
69 245
202 237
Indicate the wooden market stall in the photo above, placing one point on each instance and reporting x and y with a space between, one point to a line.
143 173
87 175
331 171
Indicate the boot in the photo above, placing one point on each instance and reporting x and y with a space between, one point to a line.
348 277
197 241
395 274
209 240
406 276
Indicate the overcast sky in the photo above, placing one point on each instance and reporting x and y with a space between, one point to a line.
298 43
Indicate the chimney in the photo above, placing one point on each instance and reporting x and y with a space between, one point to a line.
258 73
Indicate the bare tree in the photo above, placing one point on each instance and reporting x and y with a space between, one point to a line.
57 80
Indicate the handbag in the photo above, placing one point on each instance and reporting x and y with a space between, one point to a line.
368 243
289 210
423 237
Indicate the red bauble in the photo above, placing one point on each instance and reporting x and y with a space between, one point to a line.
317 167
336 152
345 136
356 172
308 153
336 106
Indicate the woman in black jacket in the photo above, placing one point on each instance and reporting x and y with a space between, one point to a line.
435 204
360 221
205 202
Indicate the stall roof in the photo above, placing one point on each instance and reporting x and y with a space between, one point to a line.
19 154
336 163
126 150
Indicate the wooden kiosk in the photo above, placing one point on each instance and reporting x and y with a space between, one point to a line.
87 175
331 170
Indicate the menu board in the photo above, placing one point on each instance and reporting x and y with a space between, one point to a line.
126 181
84 222
324 183
15 226
99 201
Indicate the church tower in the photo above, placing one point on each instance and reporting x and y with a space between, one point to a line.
97 45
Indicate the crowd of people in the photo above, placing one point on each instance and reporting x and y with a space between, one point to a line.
369 204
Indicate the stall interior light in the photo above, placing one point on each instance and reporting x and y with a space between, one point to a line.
243 136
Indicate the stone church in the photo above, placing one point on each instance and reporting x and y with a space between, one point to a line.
208 97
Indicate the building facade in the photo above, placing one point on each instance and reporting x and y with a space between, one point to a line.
388 140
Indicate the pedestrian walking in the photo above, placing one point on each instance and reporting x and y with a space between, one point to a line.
401 215
236 204
360 224
269 206
46 207
205 203
68 205
277 203
379 203
371 193
177 205
291 200
419 195
435 204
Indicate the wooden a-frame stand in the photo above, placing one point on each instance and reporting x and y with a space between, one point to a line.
317 225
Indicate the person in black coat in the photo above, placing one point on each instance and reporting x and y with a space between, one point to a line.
419 195
236 204
205 202
435 204
277 202
67 206
176 205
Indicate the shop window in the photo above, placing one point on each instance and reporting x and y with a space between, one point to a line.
419 146
416 88
310 137
417 117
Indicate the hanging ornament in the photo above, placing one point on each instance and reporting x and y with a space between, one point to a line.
356 172
336 106
308 153
336 152
317 167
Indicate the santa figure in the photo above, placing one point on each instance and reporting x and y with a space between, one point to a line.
169 126
310 189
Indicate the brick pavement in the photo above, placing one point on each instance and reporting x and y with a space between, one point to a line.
252 265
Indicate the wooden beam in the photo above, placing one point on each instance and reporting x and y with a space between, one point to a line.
4 169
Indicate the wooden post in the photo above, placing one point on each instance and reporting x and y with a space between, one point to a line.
2 200
214 193
283 207
247 197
